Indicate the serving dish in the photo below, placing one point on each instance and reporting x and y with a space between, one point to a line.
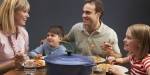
97 59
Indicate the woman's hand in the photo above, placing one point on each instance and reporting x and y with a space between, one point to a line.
19 57
1 47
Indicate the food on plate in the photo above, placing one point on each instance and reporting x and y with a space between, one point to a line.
33 63
29 63
39 63
104 67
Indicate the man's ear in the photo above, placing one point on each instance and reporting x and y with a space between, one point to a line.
98 14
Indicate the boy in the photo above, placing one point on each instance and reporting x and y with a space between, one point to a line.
51 45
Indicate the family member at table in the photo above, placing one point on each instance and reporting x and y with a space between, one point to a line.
90 34
14 38
52 43
137 43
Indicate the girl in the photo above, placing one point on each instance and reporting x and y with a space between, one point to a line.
137 43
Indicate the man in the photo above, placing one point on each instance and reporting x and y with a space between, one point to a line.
91 34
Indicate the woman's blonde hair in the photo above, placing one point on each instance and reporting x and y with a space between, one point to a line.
141 32
7 11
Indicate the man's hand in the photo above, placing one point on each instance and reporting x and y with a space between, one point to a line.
108 48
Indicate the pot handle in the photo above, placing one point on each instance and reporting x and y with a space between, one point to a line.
69 52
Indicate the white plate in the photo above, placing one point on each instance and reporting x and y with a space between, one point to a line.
102 60
105 67
122 68
97 59
31 64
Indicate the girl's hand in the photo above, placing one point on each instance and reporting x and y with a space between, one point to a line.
111 60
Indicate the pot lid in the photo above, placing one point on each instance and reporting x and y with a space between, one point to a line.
74 59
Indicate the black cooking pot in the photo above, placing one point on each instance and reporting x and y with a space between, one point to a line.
69 64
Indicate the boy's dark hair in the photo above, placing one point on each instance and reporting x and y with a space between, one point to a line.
56 29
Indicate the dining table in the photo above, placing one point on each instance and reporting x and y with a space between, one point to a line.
38 71
99 69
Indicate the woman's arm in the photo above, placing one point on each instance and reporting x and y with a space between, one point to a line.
5 66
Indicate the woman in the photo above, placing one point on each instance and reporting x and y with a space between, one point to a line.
14 38
137 43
